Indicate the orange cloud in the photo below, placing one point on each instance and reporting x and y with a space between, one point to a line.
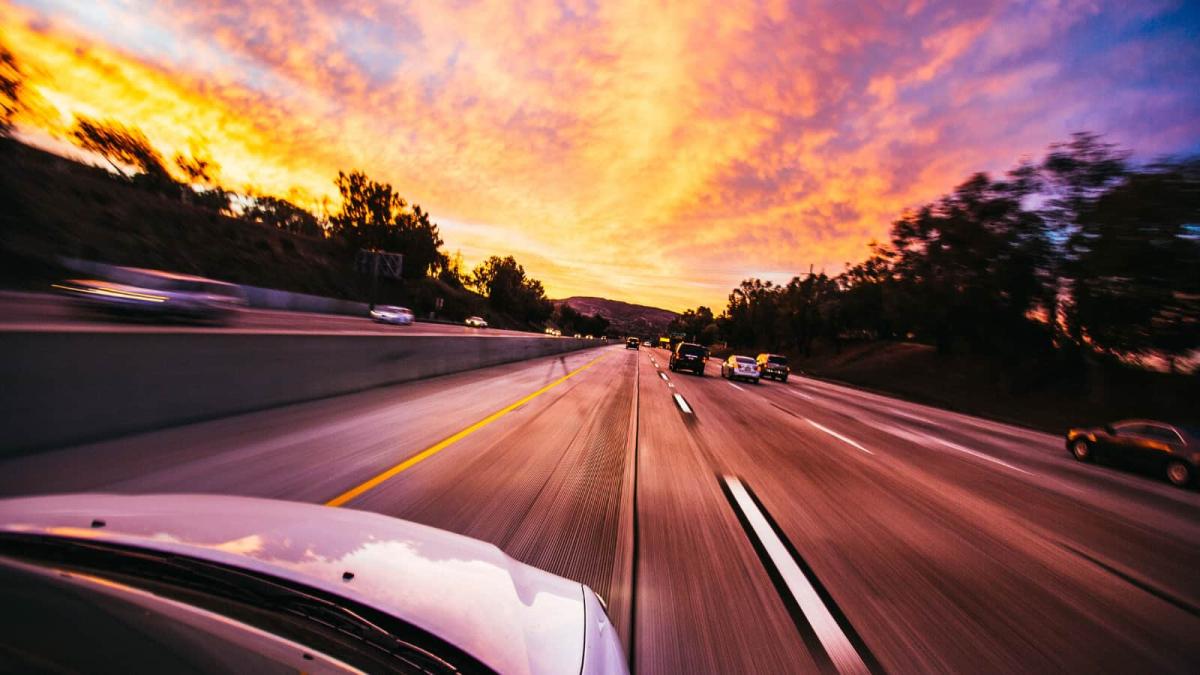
652 152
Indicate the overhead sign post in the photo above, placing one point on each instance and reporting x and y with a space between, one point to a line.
377 263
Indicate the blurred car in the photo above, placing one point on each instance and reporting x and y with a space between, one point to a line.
773 366
392 314
664 343
577 336
206 583
633 343
740 368
152 294
553 332
476 322
1167 448
1174 450
688 356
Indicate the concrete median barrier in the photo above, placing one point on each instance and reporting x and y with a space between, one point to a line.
61 388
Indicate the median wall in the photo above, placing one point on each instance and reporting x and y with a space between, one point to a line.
60 388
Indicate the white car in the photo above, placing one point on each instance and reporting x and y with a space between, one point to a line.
155 294
235 584
476 322
740 368
402 316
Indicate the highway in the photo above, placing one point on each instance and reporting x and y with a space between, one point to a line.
50 312
732 527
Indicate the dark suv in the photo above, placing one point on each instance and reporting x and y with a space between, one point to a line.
689 356
632 343
773 366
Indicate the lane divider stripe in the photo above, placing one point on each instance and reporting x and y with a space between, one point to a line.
442 445
682 404
846 659
831 432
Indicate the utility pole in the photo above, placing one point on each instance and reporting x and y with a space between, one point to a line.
374 280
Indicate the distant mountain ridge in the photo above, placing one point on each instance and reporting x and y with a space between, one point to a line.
624 317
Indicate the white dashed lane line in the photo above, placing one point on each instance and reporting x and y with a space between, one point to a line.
926 439
848 441
735 386
683 404
846 659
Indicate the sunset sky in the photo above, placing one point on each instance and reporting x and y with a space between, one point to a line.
654 152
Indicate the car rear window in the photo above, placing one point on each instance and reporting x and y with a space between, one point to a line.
777 360
691 349
745 360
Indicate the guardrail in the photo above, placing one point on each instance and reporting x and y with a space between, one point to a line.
62 388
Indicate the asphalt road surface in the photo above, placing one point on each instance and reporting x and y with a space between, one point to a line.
733 527
50 312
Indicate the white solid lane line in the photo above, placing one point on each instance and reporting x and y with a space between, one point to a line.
802 395
911 416
976 453
682 404
845 659
831 432
735 386
921 438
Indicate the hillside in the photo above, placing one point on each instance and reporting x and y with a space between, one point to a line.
624 318
58 207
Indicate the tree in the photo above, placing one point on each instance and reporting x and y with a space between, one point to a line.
868 297
368 212
417 237
572 322
199 168
1070 179
973 262
11 79
693 323
374 216
508 289
1135 265
454 271
284 215
121 146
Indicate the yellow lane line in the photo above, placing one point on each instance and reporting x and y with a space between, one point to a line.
442 445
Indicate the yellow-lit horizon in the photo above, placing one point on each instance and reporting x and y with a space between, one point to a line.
652 154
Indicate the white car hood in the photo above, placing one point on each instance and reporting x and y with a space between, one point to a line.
512 617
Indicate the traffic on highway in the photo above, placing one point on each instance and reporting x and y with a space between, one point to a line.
798 526
550 337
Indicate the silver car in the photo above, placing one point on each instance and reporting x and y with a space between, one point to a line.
476 322
401 316
740 368
235 584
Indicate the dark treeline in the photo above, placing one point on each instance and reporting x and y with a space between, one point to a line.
1081 254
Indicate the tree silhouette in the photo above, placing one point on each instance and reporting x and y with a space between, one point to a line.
1135 261
374 216
123 147
284 215
11 80
504 282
